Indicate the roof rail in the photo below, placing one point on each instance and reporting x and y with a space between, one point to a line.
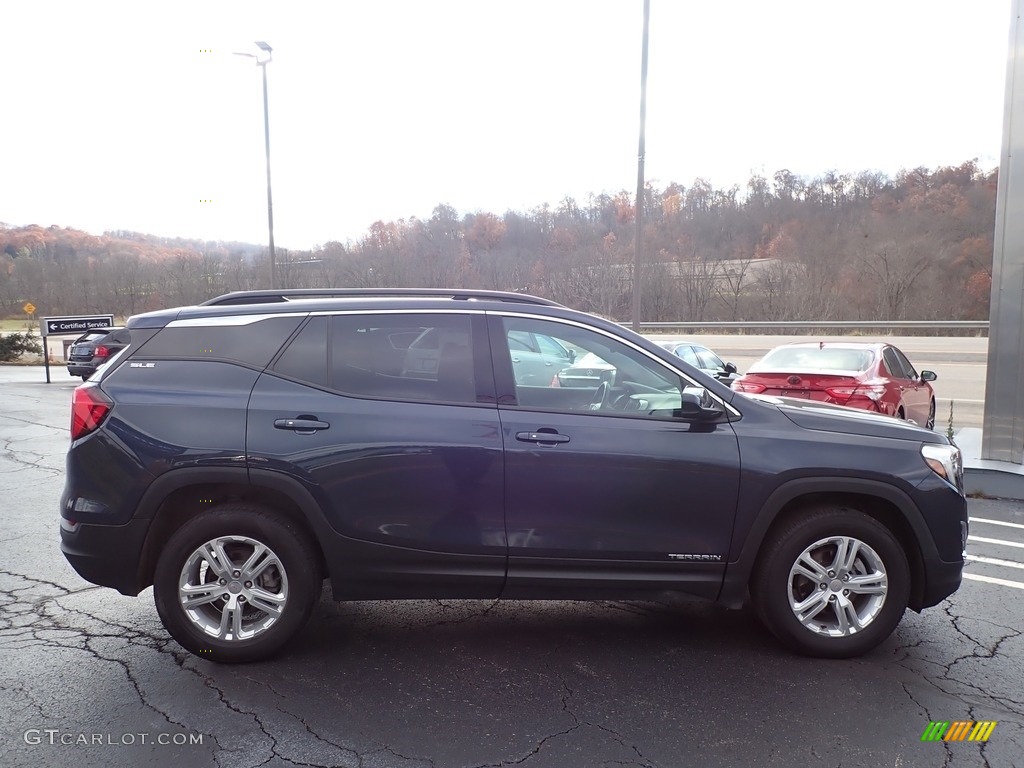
290 294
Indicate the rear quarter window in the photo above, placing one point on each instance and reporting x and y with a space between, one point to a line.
253 344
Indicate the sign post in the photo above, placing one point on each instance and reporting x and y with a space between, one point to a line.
62 326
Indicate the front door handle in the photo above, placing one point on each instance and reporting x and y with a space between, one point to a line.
301 425
544 438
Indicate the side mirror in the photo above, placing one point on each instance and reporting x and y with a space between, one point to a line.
929 375
730 367
698 405
572 355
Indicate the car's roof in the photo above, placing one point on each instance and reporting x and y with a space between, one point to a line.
672 346
275 296
304 302
835 345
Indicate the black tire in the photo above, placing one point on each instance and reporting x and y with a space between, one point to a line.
234 619
930 424
873 600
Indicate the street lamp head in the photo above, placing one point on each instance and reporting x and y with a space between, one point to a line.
261 59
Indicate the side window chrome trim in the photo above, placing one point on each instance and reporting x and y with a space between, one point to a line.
228 320
593 329
411 311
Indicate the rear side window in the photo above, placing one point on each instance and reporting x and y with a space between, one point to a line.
254 344
414 357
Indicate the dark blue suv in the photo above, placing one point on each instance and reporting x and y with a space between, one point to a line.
238 453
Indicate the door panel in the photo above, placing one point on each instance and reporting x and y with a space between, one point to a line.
596 497
413 489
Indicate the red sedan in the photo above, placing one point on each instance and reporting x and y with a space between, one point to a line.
867 375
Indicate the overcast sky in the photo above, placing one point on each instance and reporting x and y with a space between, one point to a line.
131 115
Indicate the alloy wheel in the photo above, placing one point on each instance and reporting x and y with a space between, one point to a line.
837 586
233 588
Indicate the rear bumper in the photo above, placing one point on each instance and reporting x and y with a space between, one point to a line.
81 369
107 555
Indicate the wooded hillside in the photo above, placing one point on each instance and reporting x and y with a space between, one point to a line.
836 247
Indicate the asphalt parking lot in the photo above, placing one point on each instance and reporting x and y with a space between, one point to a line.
90 678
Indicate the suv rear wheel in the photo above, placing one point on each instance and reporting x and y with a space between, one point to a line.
236 583
832 583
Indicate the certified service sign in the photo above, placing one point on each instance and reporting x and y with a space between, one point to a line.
54 326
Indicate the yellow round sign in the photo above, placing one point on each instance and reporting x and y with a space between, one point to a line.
29 308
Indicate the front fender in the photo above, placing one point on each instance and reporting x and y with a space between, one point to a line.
738 571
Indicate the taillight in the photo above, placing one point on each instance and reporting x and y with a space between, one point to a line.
744 386
100 351
842 395
89 406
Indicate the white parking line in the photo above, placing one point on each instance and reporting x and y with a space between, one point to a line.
994 522
991 580
983 540
995 561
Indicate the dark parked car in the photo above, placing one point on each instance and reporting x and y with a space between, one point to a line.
590 370
871 376
703 358
93 348
239 453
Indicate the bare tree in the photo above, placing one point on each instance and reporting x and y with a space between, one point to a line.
733 282
895 271
698 280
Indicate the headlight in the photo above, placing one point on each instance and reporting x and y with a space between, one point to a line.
946 462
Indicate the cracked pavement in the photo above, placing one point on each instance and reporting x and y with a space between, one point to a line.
479 684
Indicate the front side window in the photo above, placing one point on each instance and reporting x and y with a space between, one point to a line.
894 364
908 369
687 354
709 360
551 347
596 373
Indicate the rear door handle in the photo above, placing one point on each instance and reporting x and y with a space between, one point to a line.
549 438
302 426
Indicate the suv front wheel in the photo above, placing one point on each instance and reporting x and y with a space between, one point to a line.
832 583
236 583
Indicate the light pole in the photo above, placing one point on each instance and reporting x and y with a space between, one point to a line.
262 62
641 156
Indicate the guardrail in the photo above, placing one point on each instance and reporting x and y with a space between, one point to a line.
891 325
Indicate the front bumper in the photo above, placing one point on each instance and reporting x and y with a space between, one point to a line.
942 579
